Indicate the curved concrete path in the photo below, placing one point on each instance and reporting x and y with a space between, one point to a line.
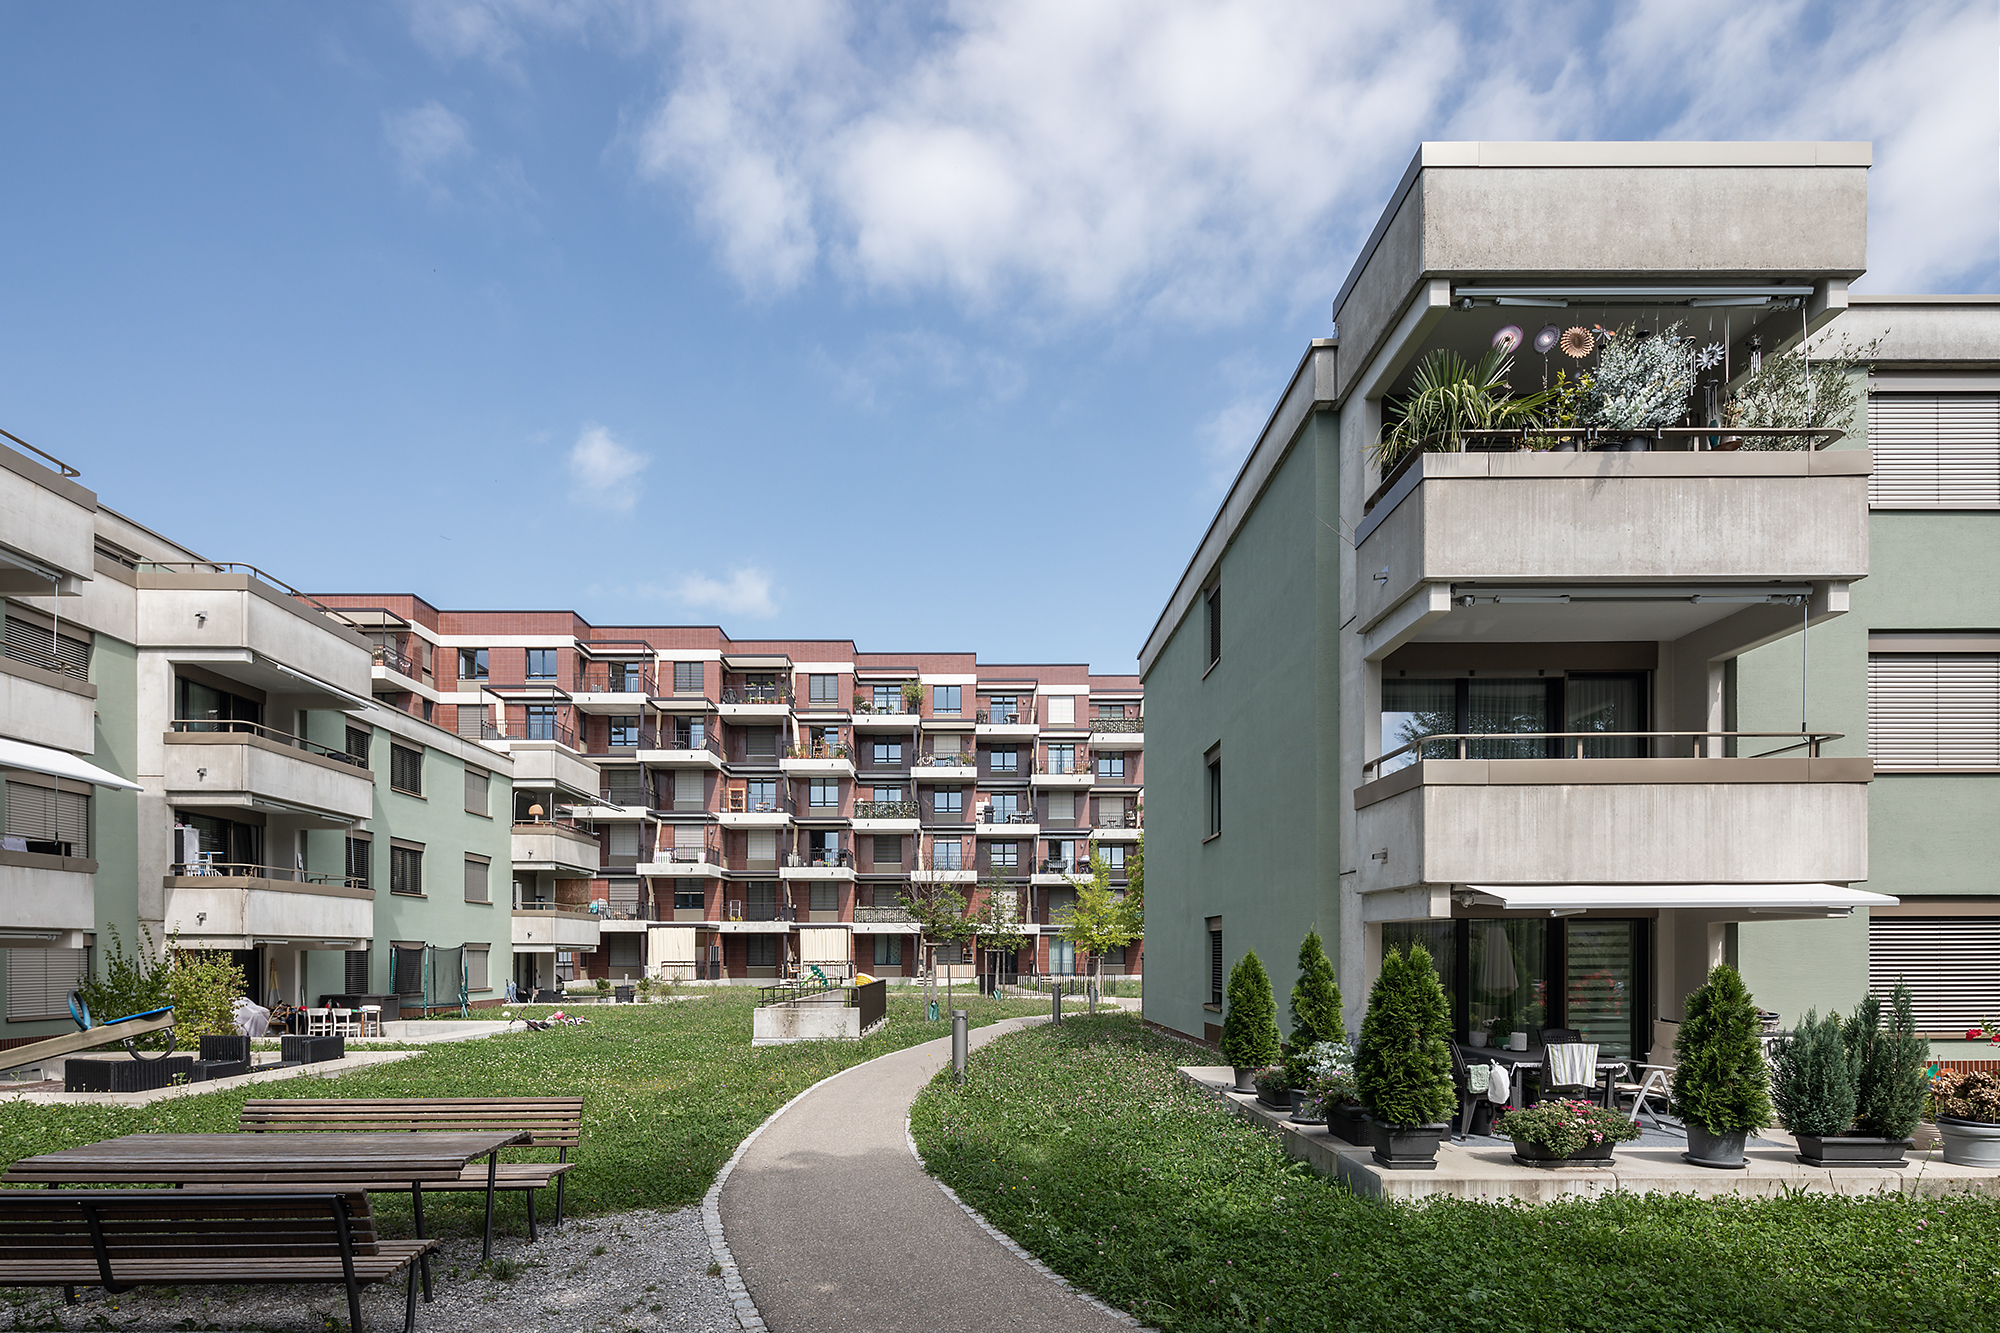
834 1226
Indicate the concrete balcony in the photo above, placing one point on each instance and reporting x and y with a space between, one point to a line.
928 768
1022 728
568 851
683 757
886 817
543 764
238 765
268 905
766 818
1438 823
1664 518
1022 826
1118 733
547 928
1074 779
44 707
1125 830
827 766
683 863
239 622
47 528
46 901
903 722
967 876
842 873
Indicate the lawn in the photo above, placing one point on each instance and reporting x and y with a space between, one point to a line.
669 1091
1084 1145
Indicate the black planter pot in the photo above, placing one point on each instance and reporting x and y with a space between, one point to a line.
122 1074
1406 1147
1282 1102
1246 1079
1299 1117
1534 1154
1724 1152
1348 1123
1851 1150
311 1050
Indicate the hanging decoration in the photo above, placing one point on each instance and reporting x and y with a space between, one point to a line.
1545 341
1508 339
1578 342
1709 357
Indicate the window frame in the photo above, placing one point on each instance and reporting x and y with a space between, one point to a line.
474 664
956 694
1213 804
406 860
1212 620
543 657
485 868
400 756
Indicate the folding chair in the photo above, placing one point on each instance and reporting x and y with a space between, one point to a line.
1656 1074
1569 1066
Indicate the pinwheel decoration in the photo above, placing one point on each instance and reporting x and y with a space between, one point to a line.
1545 341
1508 338
1709 357
1578 342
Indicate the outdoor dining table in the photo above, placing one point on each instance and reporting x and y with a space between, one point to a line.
1608 1070
378 1163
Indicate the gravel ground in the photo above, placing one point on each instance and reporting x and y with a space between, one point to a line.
638 1270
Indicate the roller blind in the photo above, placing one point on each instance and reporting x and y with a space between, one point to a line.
1934 710
763 844
625 842
688 837
1934 451
476 972
39 982
476 787
470 717
760 742
43 814
478 877
48 649
1952 966
1062 707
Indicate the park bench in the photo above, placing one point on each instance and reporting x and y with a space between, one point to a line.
555 1122
122 1239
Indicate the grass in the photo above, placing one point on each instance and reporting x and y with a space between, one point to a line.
669 1091
1085 1146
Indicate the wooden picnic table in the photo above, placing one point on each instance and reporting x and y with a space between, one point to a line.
330 1162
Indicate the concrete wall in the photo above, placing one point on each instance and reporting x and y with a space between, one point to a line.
205 768
45 707
46 517
242 612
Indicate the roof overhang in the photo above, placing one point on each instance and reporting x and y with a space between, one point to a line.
1806 900
58 763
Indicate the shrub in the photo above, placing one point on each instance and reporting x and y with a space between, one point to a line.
204 988
1811 1079
1403 1072
1889 1063
604 985
1273 1084
1316 1015
1964 1094
201 987
1721 1080
1564 1127
1250 1028
1642 382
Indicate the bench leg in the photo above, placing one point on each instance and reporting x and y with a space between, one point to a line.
561 1180
492 1176
353 1306
423 1262
69 1295
533 1235
410 1302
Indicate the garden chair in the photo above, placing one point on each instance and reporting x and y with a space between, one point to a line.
1569 1067
1654 1076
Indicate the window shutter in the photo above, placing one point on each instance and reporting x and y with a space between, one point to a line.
763 844
73 821
624 842
476 791
1934 710
1062 806
470 717
355 973
49 650
760 742
687 789
1062 707
477 881
1934 451
31 813
947 744
1951 964
39 982
477 976
688 837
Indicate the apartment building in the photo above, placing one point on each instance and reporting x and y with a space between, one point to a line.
193 753
690 805
1586 721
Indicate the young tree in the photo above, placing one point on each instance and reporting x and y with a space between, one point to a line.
1403 1070
999 920
1101 919
1720 1079
939 911
1889 1061
1250 1025
1316 1012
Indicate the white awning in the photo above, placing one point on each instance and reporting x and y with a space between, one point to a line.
1759 898
57 763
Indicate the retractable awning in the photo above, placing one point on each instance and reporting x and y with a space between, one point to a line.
1759 898
58 763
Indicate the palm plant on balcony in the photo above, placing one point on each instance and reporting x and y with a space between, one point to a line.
1250 1024
1450 396
1403 1071
1721 1082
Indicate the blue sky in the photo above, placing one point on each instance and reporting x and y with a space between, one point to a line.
939 326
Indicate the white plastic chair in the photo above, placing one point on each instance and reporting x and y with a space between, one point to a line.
1655 1075
319 1022
344 1024
371 1020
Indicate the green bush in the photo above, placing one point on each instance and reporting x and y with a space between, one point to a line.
1250 1027
1812 1082
204 988
1889 1063
1721 1081
1316 1014
201 987
1403 1072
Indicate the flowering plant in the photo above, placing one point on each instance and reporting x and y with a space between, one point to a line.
1330 1076
1565 1127
1967 1095
1988 1032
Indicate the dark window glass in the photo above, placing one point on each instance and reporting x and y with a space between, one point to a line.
688 677
823 691
948 801
357 744
1004 761
945 699
541 722
541 664
406 770
888 754
1215 968
1111 765
1004 855
406 870
1215 796
1214 625
624 731
359 851
472 664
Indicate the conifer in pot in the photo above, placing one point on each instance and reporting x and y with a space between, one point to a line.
1403 1071
1250 1025
1721 1081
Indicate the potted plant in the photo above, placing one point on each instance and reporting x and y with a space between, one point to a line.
1890 1063
1721 1083
1448 397
1966 1104
1316 1014
1273 1087
1643 382
1336 1099
913 696
1403 1073
1812 1084
1320 1063
1564 1133
1250 1027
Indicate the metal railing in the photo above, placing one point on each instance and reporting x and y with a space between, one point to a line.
1077 766
1003 717
614 678
986 816
398 662
47 660
567 825
61 466
239 567
902 708
247 870
840 860
885 810
943 761
285 738
736 801
542 729
1118 819
757 695
818 750
711 854
543 905
1460 744
1116 724
674 739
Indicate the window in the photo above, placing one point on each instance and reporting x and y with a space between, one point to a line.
357 744
406 869
1113 856
1215 967
53 822
1062 856
1062 957
1062 809
541 722
944 700
824 898
39 982
1937 711
472 664
888 951
688 677
478 791
359 851
1112 712
622 844
1934 451
49 648
689 896
888 851
1111 766
760 742
690 789
1214 794
354 972
625 730
946 749
946 853
1002 806
888 754
690 734
889 795
406 769
948 801
1062 710
1003 761
478 879
761 794
1003 709
1003 855
1111 812
1951 964
889 699
825 795
624 786
760 950
471 721
1214 599
478 974
196 702
1062 759
823 692
541 664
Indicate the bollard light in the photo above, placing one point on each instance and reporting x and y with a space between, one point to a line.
958 1045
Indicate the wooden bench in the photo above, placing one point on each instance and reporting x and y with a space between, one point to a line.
121 1239
555 1122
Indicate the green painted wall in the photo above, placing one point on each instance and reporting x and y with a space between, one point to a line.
1272 704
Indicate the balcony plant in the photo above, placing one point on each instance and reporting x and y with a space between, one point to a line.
1967 1106
1564 1133
1793 391
1642 381
1273 1086
1250 1026
1721 1082
913 696
1450 396
1403 1073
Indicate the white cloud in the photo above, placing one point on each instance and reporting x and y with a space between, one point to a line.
936 360
746 592
604 473
426 140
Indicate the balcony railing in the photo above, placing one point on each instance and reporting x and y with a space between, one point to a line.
1114 724
1117 820
400 663
737 802
1055 764
885 810
543 905
900 708
987 815
942 761
676 739
758 910
531 825
693 856
247 870
1062 868
614 678
757 695
818 750
626 797
285 738
1004 717
1580 744
543 729
822 860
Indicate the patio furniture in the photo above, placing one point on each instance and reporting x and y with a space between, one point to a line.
121 1239
1569 1066
1520 1064
371 1020
1656 1074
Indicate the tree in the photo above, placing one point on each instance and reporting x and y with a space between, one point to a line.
1250 1026
998 922
1889 1062
1812 1082
1720 1079
1101 919
939 911
1403 1071
1316 1014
